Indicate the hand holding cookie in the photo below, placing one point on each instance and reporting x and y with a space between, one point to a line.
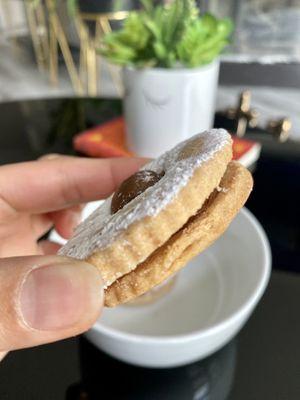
44 297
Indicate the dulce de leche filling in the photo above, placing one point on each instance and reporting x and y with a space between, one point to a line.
132 187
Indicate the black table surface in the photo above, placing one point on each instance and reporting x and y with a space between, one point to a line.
262 362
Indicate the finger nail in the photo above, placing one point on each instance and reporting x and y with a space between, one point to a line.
50 156
60 296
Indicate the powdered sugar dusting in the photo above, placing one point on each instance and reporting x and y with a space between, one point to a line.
147 177
101 228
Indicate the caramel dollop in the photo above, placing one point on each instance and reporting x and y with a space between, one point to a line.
132 187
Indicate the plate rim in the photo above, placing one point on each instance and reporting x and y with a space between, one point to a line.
243 310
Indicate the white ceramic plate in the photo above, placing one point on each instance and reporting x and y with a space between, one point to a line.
212 299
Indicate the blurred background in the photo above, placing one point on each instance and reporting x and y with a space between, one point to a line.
59 93
49 50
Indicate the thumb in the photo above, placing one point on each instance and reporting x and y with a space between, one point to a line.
44 299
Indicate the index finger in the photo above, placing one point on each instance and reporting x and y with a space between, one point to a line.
60 182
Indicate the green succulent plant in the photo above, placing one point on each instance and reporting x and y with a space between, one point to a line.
166 36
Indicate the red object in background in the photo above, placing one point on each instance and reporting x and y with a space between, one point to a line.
105 140
109 140
240 147
245 151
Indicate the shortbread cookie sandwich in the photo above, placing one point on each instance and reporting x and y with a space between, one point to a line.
162 216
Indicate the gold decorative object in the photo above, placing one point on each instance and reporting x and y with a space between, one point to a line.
243 114
58 37
39 33
48 36
102 23
245 117
280 128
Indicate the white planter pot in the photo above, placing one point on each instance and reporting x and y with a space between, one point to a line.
165 106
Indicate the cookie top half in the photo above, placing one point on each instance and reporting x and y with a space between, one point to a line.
187 175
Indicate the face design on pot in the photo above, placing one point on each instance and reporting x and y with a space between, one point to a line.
149 97
154 101
158 102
